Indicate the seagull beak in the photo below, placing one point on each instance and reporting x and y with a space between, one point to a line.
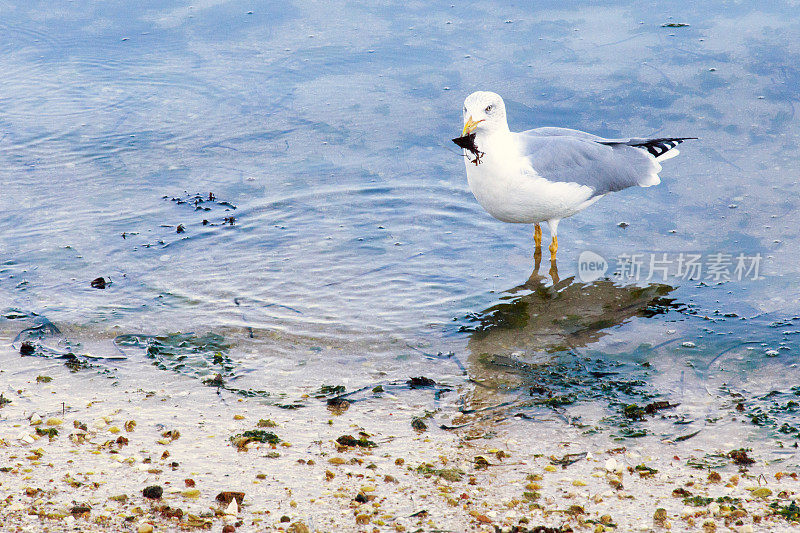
470 126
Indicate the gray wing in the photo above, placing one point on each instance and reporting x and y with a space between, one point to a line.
604 165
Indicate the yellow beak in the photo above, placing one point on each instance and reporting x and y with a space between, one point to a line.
470 126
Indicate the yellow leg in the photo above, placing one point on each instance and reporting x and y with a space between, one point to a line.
537 235
553 247
554 270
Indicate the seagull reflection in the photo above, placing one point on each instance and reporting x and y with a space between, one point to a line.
543 317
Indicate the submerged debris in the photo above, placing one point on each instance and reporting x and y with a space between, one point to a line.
652 408
338 405
569 459
420 382
99 283
328 390
27 348
633 411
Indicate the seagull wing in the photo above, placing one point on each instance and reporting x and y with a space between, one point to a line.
604 165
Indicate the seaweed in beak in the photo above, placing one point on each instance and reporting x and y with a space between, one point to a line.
467 142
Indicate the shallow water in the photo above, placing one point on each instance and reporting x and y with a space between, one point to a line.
357 254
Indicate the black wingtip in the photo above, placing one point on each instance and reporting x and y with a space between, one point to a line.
660 146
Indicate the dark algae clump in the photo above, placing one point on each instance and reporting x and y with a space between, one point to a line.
349 440
420 382
153 492
740 457
467 142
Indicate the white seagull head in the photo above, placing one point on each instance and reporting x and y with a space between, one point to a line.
484 112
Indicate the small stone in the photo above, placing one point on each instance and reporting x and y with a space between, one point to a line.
54 422
80 509
419 425
180 229
227 496
153 492
228 528
762 492
298 527
35 419
98 283
145 528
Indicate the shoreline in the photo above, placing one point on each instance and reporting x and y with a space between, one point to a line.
494 473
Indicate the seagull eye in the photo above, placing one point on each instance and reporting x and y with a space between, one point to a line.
489 108
465 109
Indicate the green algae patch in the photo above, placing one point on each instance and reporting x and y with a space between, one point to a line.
448 474
790 512
202 356
697 501
254 435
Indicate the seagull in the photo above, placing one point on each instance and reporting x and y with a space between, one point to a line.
547 174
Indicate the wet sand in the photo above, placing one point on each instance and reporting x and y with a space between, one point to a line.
111 441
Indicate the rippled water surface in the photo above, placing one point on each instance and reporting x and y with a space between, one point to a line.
329 232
